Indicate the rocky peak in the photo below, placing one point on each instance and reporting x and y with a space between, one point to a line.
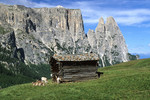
101 22
110 44
101 25
111 21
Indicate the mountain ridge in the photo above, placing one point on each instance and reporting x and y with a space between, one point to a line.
41 32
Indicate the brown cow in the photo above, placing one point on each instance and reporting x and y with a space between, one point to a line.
38 83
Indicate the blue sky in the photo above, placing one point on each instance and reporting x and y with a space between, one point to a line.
132 16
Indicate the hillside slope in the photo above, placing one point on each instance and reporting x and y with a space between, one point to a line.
13 71
128 80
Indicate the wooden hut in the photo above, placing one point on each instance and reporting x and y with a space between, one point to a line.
74 67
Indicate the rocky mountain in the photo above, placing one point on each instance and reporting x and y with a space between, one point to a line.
35 34
108 42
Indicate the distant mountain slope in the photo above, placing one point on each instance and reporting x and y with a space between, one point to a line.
128 80
35 34
13 71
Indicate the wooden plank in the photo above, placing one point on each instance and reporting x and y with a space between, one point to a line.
79 66
80 70
73 73
88 67
80 74
76 71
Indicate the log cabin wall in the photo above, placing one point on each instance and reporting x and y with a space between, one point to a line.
79 70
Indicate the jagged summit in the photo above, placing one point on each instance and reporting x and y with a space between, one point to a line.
101 21
108 42
100 26
111 20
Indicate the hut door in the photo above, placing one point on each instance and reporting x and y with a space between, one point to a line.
55 71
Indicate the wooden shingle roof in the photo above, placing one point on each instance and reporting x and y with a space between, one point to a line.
77 57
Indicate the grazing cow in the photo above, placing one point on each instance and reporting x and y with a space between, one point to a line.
44 79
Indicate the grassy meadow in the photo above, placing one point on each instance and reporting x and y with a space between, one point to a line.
126 81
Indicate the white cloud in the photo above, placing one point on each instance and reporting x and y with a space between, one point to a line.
149 44
131 20
92 13
26 3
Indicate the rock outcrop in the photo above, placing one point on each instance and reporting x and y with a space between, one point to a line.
41 32
108 42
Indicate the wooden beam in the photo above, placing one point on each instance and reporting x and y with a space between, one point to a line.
79 66
80 70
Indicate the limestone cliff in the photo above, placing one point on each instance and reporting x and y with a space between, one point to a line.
41 32
109 42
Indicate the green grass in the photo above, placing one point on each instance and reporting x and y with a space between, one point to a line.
126 81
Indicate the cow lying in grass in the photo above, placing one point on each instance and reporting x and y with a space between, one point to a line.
38 83
41 82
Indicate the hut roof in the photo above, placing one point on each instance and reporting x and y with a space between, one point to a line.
79 57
